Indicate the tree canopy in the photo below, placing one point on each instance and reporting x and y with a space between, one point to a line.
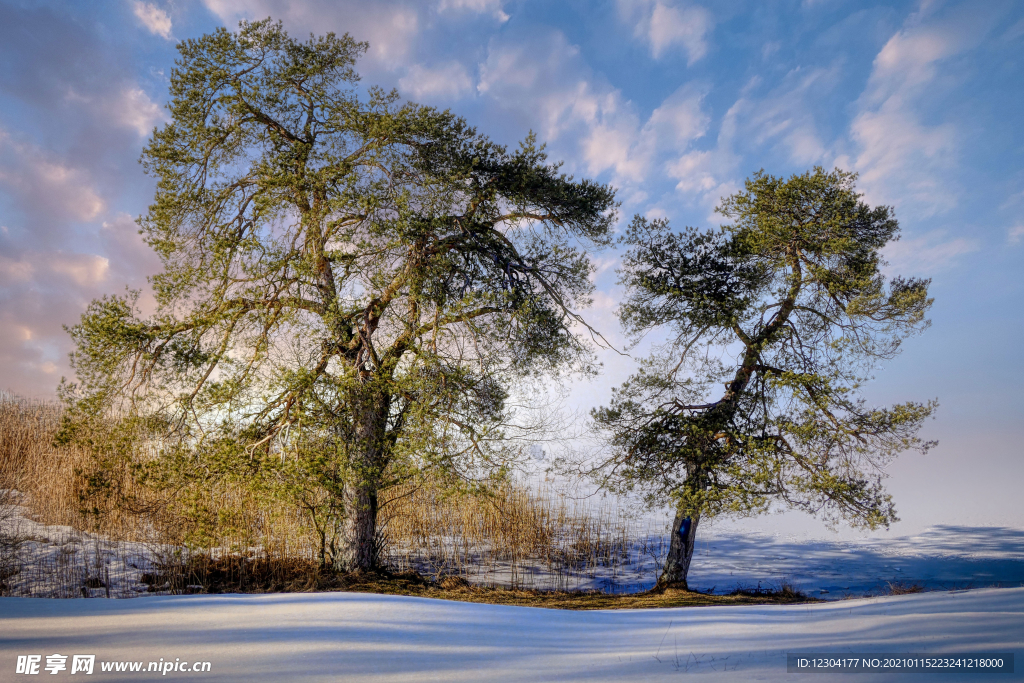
351 285
773 324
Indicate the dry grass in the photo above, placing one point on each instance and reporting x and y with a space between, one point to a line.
25 458
903 588
34 471
130 525
26 454
58 486
518 537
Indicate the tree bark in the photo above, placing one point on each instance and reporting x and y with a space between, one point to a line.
358 547
680 551
358 551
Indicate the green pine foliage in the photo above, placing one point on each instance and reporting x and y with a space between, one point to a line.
351 285
773 324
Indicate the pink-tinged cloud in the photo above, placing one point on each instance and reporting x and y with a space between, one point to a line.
390 26
153 18
42 184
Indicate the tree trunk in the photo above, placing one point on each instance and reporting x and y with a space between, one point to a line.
680 551
358 550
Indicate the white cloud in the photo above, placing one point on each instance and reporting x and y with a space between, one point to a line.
44 186
131 258
612 146
926 254
687 26
44 288
900 158
606 304
782 120
493 7
153 18
665 26
390 27
392 33
134 109
785 116
632 197
805 146
544 79
448 81
84 269
1015 235
909 59
129 108
705 175
694 171
680 119
602 264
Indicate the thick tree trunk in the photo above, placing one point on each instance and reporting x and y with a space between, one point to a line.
358 551
680 551
358 547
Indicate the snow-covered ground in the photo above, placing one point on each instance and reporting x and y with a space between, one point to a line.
53 561
360 637
940 558
340 636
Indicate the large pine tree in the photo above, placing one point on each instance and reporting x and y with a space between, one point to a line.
774 323
349 283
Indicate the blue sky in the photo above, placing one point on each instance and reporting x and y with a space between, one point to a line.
674 103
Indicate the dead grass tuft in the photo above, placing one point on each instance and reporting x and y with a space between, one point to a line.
784 592
903 588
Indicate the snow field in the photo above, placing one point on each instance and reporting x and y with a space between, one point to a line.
362 637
